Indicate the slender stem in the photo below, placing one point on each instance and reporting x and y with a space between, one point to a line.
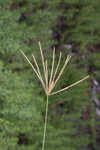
45 125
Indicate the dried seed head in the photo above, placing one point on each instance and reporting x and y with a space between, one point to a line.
50 83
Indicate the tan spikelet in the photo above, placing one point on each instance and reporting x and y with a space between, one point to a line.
50 83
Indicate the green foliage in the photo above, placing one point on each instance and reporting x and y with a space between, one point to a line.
80 20
22 100
19 108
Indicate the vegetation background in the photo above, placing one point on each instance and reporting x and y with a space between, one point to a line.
71 26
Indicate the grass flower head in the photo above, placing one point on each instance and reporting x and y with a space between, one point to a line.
49 83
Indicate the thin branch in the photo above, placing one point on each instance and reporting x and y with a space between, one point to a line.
70 85
38 71
36 65
30 63
62 70
43 63
46 74
57 66
52 69
33 69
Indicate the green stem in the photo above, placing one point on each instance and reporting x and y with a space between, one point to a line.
45 125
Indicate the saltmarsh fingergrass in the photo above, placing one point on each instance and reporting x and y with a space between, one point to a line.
49 82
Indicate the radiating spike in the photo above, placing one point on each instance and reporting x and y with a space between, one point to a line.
57 66
40 78
43 63
70 85
36 64
46 74
52 69
62 70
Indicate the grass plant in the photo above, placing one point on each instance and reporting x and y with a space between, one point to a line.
50 82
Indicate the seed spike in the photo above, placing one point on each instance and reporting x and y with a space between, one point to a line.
52 69
46 74
62 70
29 63
36 64
43 63
70 85
57 66
38 70
40 78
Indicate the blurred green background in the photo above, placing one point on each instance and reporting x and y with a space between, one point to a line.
71 26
